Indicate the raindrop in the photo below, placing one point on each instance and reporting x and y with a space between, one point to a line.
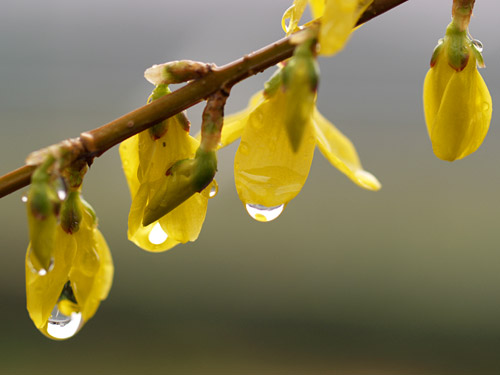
157 235
478 45
263 213
214 189
38 269
60 326
61 194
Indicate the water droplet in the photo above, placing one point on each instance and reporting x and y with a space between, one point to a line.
263 213
35 267
478 45
214 189
61 194
24 198
60 326
486 106
157 235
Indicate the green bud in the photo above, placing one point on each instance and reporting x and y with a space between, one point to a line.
300 81
42 209
184 178
273 84
71 213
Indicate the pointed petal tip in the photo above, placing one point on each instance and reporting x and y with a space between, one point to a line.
367 180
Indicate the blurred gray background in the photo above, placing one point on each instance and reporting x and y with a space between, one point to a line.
346 281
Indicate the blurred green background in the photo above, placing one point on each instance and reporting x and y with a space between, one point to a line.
346 281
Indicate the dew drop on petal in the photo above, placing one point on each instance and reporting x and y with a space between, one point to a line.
41 271
263 213
60 326
478 45
157 235
486 106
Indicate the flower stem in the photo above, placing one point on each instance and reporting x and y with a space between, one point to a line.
95 142
461 13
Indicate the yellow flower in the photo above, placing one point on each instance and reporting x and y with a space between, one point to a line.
61 301
457 103
338 18
268 172
146 160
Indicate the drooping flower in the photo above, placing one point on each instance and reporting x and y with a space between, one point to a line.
457 103
61 301
268 172
338 19
149 160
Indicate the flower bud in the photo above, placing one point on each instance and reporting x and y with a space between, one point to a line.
300 81
184 178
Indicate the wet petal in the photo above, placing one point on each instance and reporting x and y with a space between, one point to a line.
153 159
293 14
267 171
458 109
339 19
339 151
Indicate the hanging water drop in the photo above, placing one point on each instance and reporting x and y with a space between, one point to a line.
478 45
214 189
65 320
61 326
157 235
263 213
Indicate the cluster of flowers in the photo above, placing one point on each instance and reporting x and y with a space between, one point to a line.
69 269
171 174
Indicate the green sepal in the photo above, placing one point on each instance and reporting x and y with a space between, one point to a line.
477 54
437 52
457 47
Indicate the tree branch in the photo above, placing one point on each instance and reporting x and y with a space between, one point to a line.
97 141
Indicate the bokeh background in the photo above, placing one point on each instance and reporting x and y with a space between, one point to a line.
346 281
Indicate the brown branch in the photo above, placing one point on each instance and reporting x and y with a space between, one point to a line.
97 141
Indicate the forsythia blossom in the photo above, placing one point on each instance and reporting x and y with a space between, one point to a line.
149 158
457 102
338 18
268 172
63 299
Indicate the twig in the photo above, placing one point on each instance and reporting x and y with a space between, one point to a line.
97 141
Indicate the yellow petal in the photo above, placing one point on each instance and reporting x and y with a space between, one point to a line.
42 292
317 8
339 151
234 123
293 14
85 267
267 172
129 154
458 109
150 163
339 19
